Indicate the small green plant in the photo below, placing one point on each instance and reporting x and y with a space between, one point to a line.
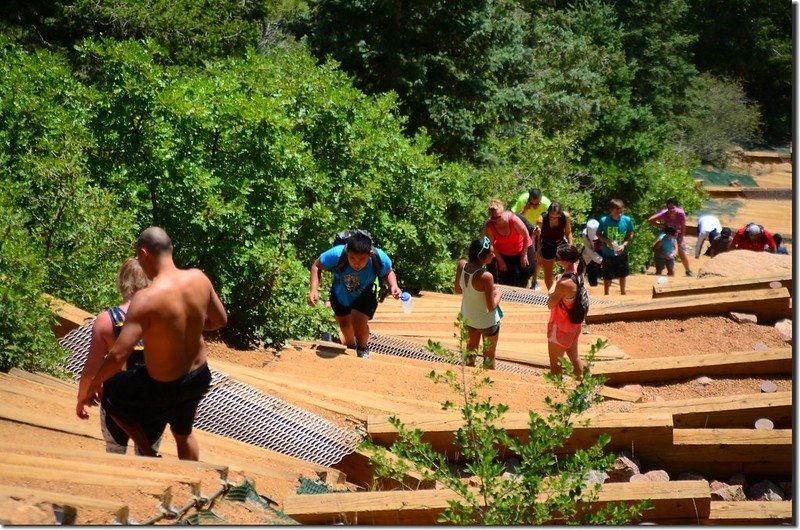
559 483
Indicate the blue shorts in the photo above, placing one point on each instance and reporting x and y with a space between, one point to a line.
136 398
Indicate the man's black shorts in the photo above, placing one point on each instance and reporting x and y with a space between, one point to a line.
615 266
135 398
367 303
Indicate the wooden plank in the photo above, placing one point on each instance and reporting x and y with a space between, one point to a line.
767 304
358 468
670 499
195 482
771 361
75 454
683 287
118 510
739 411
722 451
46 380
751 512
68 316
73 425
375 400
626 429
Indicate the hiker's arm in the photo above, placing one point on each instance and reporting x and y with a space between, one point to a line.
655 219
459 268
490 291
102 339
391 279
561 290
316 272
568 228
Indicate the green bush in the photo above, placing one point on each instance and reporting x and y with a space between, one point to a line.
721 118
26 340
509 501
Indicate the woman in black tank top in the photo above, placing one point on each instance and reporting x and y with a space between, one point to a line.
555 228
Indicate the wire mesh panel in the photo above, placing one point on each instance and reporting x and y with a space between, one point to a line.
76 342
244 413
528 296
236 410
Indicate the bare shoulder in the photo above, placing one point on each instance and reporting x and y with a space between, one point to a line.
102 324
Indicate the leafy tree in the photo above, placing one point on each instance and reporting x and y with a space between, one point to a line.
722 118
546 486
26 340
749 42
455 67
73 225
189 32
253 164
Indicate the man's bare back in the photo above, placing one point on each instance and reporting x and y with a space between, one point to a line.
171 315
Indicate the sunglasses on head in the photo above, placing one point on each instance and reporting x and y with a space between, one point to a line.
485 247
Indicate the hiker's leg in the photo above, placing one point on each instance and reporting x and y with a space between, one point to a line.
574 358
360 325
346 334
137 434
187 446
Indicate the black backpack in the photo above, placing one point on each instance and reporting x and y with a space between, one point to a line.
577 313
341 238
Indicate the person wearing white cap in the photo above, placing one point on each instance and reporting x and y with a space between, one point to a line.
591 259
754 237
708 227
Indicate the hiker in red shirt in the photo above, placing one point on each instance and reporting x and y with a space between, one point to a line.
753 237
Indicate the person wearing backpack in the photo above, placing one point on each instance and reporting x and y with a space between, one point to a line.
568 303
355 266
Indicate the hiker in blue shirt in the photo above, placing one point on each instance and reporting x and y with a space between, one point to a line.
353 297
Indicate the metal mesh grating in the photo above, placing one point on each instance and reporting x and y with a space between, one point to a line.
410 349
239 411
244 413
528 296
404 348
76 342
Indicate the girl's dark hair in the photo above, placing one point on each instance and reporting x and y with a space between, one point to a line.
670 230
568 253
672 201
478 249
555 207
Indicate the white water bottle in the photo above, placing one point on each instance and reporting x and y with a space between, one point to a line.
405 299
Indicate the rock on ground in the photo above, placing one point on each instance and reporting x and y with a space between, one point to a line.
746 263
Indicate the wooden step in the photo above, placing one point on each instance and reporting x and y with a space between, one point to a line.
626 429
688 286
118 512
739 411
669 499
67 315
722 452
767 304
660 369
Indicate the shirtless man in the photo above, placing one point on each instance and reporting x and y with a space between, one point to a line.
170 315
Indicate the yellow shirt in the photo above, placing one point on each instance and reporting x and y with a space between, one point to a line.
531 213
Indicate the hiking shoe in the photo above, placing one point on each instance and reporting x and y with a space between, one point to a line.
690 274
535 286
362 353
